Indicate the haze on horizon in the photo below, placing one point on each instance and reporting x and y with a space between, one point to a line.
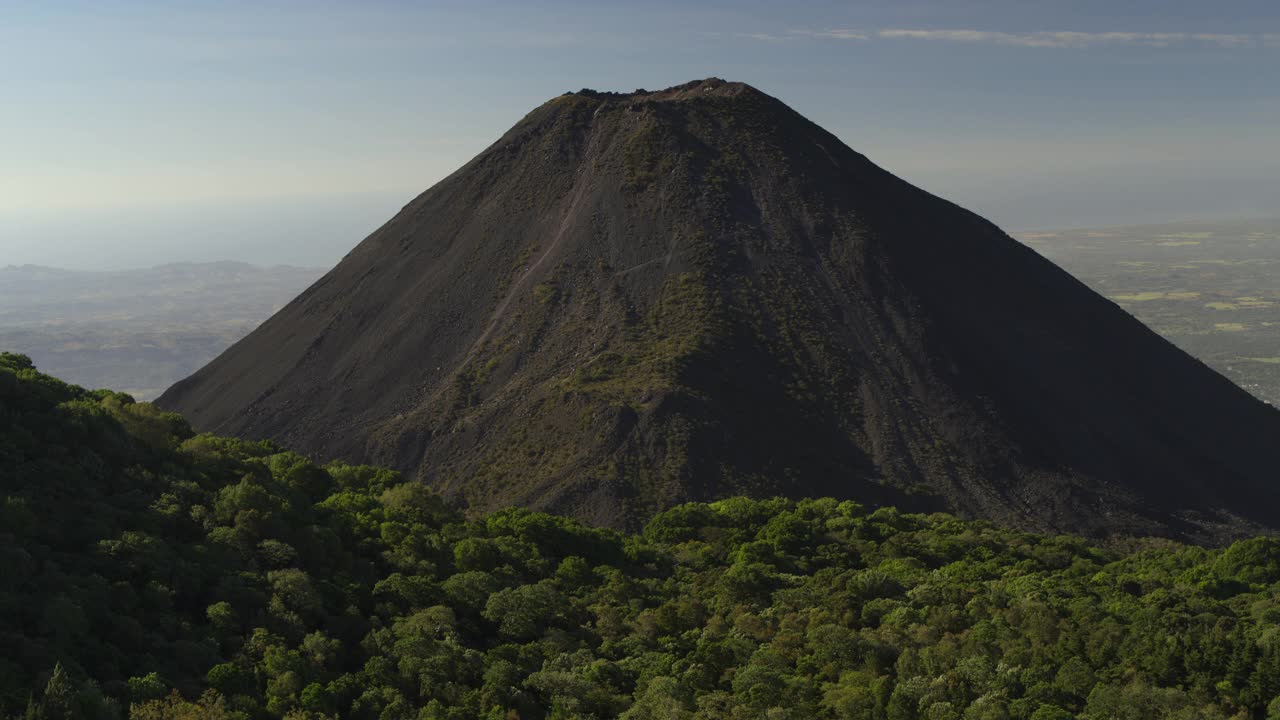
274 132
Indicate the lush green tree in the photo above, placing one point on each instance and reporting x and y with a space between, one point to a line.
156 573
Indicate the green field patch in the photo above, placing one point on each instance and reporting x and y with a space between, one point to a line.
1228 327
1139 297
1240 303
1177 243
1148 296
1187 236
1253 302
1234 263
1266 360
1136 263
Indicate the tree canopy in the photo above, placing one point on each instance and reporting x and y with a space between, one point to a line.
151 572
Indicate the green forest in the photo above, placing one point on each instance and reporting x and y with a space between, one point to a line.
150 572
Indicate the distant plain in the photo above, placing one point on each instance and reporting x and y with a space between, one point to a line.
138 331
1213 289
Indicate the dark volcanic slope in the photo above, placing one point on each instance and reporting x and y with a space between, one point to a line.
632 300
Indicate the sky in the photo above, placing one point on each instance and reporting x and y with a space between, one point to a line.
137 133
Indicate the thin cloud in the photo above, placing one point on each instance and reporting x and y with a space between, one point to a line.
766 37
832 34
1040 39
804 34
1072 39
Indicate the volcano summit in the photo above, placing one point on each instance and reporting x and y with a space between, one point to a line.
633 300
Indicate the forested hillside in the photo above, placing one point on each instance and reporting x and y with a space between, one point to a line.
154 573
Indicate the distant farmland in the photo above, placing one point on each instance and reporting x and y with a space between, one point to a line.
137 331
1213 289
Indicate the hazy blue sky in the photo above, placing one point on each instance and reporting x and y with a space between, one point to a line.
133 133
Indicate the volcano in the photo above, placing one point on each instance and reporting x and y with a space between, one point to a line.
634 300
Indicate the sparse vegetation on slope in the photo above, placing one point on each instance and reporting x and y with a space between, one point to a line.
141 560
630 301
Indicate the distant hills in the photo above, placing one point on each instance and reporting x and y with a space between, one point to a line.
140 330
635 300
